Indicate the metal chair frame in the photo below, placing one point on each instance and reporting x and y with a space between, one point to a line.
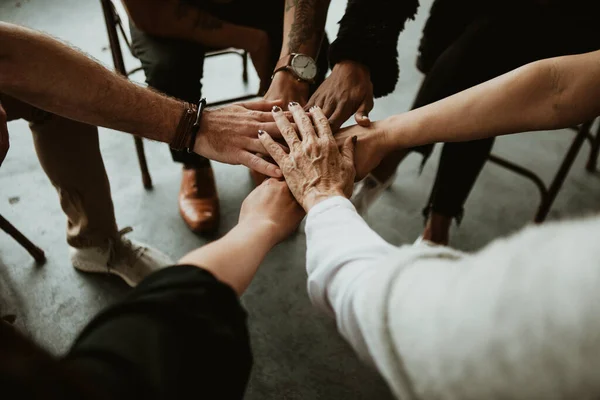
549 192
114 25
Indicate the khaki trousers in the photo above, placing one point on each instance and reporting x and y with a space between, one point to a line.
69 153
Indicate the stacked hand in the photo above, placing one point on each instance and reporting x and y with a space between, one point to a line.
228 134
348 90
271 205
314 169
371 147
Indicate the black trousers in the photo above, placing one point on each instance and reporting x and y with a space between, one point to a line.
175 67
492 45
180 334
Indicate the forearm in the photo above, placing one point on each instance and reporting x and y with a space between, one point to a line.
548 94
44 72
368 35
179 20
340 248
304 26
235 258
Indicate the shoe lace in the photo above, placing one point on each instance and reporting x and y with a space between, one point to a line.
121 248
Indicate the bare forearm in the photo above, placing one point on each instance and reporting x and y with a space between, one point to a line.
179 20
235 258
548 94
304 26
44 72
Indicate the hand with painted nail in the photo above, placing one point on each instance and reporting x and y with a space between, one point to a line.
348 90
314 169
228 134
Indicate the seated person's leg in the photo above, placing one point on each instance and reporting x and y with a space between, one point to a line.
175 68
69 153
475 58
460 164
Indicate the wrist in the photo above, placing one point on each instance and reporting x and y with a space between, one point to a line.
286 78
259 230
315 197
354 65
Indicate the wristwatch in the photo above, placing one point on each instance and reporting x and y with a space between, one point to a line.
301 66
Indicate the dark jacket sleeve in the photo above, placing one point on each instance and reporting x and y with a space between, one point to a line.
369 33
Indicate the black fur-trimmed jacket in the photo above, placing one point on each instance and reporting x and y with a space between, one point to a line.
369 34
369 30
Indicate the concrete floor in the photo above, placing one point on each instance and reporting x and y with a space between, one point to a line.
298 354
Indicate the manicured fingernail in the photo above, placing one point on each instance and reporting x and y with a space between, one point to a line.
292 104
365 117
354 139
260 132
276 108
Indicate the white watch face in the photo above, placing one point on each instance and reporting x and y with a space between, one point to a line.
304 67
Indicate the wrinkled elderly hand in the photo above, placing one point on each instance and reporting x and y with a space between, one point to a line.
4 144
228 134
315 169
272 204
348 90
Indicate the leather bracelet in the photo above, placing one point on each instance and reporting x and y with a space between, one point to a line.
196 125
187 129
182 134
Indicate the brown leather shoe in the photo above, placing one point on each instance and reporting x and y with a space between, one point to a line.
198 200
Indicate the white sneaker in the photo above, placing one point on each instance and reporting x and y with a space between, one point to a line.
367 191
130 260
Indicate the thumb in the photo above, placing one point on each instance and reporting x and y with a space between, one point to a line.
362 114
348 149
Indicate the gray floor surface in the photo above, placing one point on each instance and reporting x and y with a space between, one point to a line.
298 354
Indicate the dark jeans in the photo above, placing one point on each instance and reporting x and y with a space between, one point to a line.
175 67
492 45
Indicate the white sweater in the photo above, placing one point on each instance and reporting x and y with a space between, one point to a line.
519 319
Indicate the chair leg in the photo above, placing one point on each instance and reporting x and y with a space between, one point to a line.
593 159
245 67
36 252
117 56
560 176
139 147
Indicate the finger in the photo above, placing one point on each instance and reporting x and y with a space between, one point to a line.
321 123
272 128
272 147
256 163
337 119
285 127
348 149
362 114
303 122
261 105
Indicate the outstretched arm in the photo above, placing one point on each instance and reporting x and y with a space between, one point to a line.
50 75
549 94
269 214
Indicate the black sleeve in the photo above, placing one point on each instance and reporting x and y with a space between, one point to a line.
180 334
369 33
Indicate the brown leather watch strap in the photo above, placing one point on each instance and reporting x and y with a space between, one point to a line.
185 127
283 63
